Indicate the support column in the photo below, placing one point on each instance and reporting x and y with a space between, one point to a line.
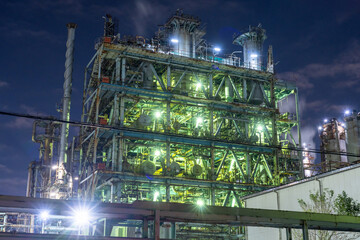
145 230
305 231
117 70
288 234
123 70
157 225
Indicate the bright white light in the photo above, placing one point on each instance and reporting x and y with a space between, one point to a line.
198 85
52 194
200 202
54 167
174 40
157 114
76 178
306 149
44 215
254 55
325 120
259 128
217 49
320 128
347 112
81 217
199 121
156 195
157 153
304 144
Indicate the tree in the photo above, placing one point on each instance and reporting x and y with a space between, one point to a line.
324 202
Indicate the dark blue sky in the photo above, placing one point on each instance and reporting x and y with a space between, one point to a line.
317 44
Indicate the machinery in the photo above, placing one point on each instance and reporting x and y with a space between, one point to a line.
182 123
173 119
333 140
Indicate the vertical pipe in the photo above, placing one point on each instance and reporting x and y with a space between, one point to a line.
67 95
123 70
117 70
302 173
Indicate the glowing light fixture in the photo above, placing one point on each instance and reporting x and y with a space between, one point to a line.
76 178
325 120
254 55
200 202
54 167
320 128
347 112
217 49
198 85
156 195
199 121
158 114
260 128
174 40
82 216
44 215
157 153
52 194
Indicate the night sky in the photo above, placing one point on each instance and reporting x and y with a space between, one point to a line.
317 44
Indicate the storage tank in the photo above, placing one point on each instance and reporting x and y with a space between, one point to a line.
252 43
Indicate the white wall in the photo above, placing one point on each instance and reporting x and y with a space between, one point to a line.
286 197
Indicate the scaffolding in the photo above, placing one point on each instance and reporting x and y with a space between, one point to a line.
184 127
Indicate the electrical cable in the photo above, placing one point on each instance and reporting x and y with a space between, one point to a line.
93 125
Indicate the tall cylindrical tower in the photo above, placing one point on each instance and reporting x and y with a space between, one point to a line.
252 43
353 135
67 96
333 142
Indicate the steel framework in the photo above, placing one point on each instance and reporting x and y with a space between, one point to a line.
188 128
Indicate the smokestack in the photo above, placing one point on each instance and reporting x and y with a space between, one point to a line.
67 96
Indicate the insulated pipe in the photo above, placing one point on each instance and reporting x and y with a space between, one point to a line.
67 93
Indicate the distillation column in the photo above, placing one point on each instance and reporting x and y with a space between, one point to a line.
66 99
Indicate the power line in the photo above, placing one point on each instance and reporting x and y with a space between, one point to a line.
94 125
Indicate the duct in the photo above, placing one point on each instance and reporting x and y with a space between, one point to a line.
270 60
67 93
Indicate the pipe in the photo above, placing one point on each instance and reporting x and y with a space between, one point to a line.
67 94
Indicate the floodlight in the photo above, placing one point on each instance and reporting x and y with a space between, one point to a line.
81 216
156 195
174 40
217 49
198 85
200 202
325 120
54 167
199 120
76 178
254 55
320 128
347 112
157 153
44 215
158 114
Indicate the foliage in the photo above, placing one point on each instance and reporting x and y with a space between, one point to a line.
346 205
325 202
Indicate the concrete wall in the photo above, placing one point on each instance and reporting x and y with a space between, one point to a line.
286 197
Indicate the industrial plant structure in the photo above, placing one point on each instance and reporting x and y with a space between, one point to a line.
171 119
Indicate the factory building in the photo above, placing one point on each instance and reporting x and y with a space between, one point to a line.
171 119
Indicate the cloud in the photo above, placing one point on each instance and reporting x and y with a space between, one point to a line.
13 186
4 84
5 169
21 123
345 70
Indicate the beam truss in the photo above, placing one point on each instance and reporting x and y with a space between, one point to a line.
155 213
189 125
